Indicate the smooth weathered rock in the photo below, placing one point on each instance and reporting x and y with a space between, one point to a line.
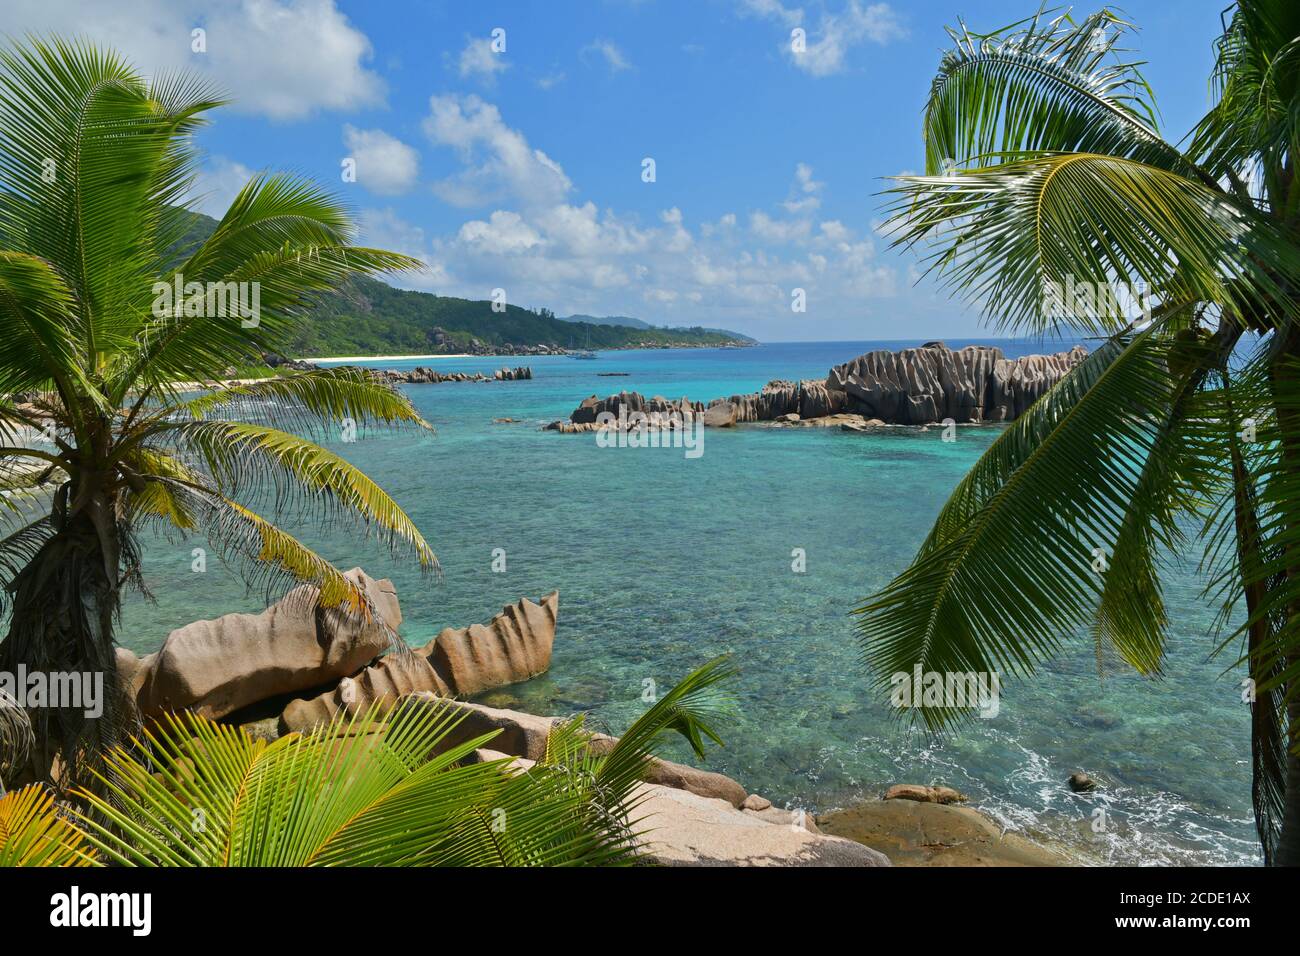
680 776
787 818
517 734
484 755
720 415
520 734
912 833
755 802
924 794
132 671
217 667
680 828
377 687
514 646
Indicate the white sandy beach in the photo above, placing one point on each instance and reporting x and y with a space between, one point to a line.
385 358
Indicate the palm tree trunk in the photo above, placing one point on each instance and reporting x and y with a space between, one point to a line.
1288 846
64 605
1288 850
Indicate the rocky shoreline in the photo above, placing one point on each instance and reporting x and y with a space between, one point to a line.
293 666
421 375
929 385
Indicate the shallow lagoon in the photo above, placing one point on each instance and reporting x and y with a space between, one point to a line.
663 562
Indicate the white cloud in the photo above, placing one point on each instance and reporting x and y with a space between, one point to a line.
478 59
499 161
544 249
385 229
836 34
550 80
610 53
772 10
803 193
385 165
828 44
505 233
285 59
217 185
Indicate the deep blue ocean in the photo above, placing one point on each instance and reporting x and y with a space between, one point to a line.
663 562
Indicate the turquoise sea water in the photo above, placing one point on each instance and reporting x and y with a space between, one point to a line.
663 562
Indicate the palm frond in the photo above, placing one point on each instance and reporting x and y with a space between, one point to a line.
1048 84
1057 241
33 834
1019 555
259 460
302 401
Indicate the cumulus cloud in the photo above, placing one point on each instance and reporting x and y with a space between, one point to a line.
544 249
837 34
478 59
499 163
385 165
827 45
284 59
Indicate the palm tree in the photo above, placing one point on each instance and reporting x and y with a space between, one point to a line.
356 792
100 438
1182 429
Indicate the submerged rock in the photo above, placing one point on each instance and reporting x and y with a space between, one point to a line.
1082 783
912 833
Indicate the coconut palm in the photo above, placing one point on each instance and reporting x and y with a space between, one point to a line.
401 792
1180 433
105 313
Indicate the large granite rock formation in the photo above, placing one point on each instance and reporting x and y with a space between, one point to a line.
423 375
919 386
932 383
633 403
217 667
376 689
512 647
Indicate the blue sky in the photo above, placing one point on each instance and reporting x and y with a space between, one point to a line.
522 169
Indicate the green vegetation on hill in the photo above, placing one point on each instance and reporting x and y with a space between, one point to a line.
368 317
